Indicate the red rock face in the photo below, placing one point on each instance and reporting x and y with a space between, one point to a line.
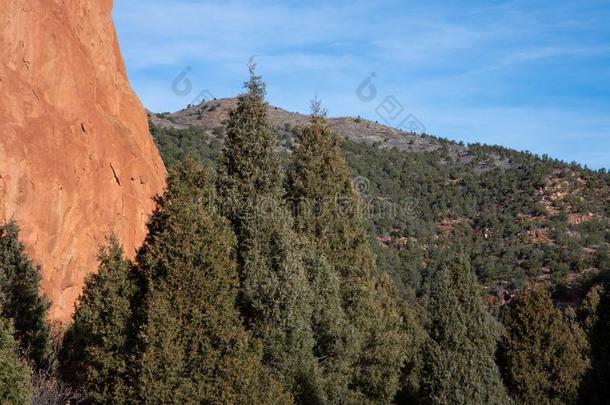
76 159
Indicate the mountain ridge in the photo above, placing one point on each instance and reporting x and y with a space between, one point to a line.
520 216
213 114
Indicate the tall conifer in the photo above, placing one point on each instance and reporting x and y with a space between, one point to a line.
543 353
459 356
98 347
192 346
328 211
275 295
21 298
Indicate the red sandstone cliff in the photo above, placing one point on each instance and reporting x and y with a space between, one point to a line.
76 159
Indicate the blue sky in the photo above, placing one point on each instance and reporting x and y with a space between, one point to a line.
531 75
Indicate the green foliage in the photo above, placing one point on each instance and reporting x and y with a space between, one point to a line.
179 144
97 349
329 326
414 315
275 295
249 166
277 300
314 201
378 374
543 353
332 326
20 297
192 345
166 330
459 356
597 384
327 208
588 311
15 386
490 195
328 211
489 209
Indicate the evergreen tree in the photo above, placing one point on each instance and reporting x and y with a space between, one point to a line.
20 296
384 350
588 315
193 346
411 381
329 327
15 385
328 211
275 295
249 168
597 384
543 354
459 356
97 348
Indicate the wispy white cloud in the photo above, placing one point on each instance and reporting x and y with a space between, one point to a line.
474 70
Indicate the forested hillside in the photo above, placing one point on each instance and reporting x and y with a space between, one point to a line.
321 270
517 216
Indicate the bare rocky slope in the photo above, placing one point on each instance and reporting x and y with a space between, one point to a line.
213 114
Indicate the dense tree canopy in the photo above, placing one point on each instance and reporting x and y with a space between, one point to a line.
543 351
337 272
20 296
459 355
192 345
275 294
328 211
596 389
98 347
14 375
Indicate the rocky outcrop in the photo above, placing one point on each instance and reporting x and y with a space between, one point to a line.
76 159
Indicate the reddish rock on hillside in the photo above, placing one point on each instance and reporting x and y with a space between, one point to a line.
76 158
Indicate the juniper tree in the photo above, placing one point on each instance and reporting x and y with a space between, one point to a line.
98 347
384 350
588 311
193 346
459 356
596 389
411 380
329 327
328 211
249 167
21 298
275 296
543 354
15 385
